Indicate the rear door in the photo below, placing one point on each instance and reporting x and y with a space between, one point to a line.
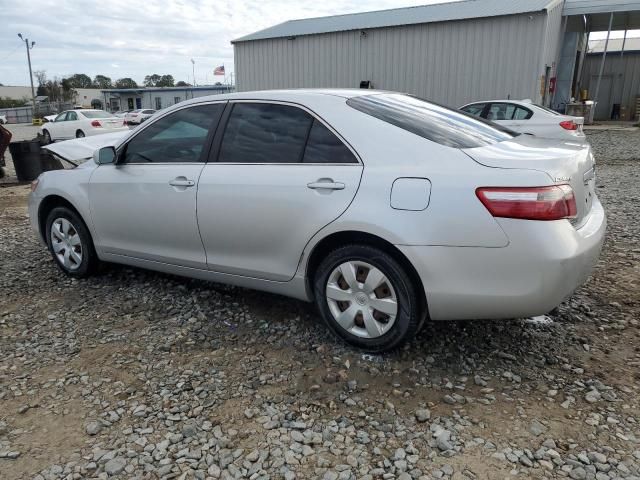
511 116
277 176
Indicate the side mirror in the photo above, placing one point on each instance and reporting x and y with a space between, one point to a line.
105 155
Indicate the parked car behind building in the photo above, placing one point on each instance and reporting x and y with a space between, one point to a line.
523 116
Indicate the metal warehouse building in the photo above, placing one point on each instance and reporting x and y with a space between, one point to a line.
451 53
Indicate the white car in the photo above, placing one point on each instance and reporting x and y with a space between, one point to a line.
136 117
382 208
523 116
3 119
81 123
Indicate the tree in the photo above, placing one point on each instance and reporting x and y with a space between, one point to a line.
41 77
101 81
182 83
165 81
80 80
152 80
126 83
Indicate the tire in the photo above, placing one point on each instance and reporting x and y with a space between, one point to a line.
85 261
363 325
47 137
79 134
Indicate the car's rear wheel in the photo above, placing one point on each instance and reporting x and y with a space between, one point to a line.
47 137
367 298
79 134
70 242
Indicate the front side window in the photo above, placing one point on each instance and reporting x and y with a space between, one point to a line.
62 117
265 133
178 137
324 147
439 124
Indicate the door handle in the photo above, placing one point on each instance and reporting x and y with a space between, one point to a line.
325 185
181 182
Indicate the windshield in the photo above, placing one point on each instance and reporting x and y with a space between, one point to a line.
429 120
97 114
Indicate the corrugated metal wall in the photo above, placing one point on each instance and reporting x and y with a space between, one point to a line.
620 81
449 62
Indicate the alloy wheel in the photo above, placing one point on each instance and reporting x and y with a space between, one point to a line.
362 299
66 243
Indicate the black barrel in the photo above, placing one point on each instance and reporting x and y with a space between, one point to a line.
26 159
30 161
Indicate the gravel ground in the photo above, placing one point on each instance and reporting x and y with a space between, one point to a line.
134 374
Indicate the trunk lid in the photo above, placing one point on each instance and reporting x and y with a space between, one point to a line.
565 162
111 122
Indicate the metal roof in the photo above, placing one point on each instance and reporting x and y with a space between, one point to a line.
632 44
440 12
166 89
586 7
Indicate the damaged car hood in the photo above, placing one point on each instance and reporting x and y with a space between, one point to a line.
81 149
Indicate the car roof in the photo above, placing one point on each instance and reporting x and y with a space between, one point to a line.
523 103
289 94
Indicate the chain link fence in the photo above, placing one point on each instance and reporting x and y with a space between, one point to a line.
25 114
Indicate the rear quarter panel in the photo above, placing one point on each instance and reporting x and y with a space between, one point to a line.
454 217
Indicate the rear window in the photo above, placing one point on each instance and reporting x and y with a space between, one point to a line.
548 110
97 114
434 122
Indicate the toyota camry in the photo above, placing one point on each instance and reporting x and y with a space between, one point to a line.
384 209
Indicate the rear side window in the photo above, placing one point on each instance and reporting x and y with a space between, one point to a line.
434 122
475 109
324 147
265 133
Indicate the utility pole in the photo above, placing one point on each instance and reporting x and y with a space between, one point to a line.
33 92
193 65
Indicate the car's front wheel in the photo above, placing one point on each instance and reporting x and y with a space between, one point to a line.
70 242
47 137
367 298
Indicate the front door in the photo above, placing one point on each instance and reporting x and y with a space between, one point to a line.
145 205
138 103
278 176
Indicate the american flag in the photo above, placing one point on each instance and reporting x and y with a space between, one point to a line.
219 70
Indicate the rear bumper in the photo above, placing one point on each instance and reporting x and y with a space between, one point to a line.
543 264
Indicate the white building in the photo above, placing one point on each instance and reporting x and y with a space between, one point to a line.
122 99
452 53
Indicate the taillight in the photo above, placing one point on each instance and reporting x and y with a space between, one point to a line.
124 123
96 123
569 125
529 203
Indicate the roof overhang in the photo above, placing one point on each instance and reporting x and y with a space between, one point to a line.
597 13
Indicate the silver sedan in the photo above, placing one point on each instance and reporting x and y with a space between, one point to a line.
384 209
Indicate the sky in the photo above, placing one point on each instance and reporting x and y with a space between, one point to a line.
127 38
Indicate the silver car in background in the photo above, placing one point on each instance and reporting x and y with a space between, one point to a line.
382 208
